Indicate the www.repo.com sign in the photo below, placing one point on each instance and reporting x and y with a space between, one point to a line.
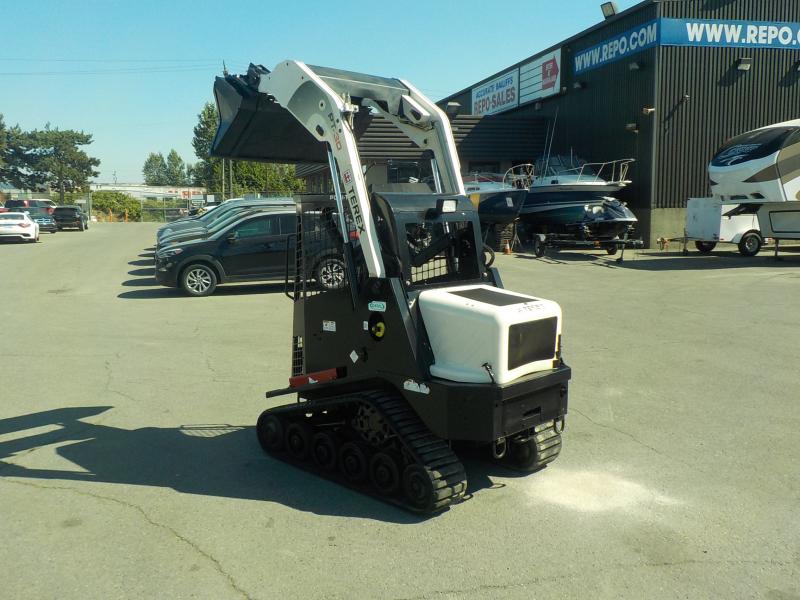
631 42
689 32
727 34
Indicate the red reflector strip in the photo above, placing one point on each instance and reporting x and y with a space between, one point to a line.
310 378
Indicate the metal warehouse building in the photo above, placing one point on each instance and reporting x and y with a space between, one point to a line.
664 82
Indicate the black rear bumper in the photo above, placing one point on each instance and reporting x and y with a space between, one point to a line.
476 412
483 412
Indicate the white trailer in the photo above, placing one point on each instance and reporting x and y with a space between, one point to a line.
712 221
755 169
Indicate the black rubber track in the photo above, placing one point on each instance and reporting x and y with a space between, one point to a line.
417 444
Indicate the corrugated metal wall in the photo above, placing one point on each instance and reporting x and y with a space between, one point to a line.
591 120
500 138
723 101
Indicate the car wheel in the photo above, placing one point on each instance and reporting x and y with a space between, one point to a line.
538 247
750 244
199 280
330 273
705 247
488 256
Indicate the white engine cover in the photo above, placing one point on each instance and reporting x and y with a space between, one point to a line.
476 325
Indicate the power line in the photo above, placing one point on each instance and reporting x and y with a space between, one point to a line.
208 66
132 71
114 60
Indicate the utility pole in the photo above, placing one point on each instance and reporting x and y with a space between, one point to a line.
230 177
223 180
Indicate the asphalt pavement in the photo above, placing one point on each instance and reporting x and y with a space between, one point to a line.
129 466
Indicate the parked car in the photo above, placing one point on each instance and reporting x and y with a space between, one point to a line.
48 205
198 211
196 232
252 247
209 218
18 225
43 218
71 216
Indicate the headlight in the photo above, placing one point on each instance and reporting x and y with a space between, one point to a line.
170 253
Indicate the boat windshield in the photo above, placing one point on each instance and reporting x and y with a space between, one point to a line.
561 164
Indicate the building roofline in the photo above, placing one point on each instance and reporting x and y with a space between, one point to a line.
628 11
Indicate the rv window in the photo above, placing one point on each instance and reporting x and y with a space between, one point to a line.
752 145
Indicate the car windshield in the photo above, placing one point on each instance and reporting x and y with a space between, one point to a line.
230 218
65 209
37 212
219 212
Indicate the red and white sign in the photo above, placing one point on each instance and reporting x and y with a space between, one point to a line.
550 74
540 78
498 95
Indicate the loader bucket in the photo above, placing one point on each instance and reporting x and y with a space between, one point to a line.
254 127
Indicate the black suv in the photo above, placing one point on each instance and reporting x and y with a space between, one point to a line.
251 248
71 216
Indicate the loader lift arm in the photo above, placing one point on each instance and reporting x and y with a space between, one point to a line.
326 106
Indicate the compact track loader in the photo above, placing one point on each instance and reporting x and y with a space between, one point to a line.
412 343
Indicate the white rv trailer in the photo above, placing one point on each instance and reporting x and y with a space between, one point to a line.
758 167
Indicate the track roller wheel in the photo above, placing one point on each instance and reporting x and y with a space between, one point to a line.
325 450
534 452
298 440
270 432
354 462
384 473
418 488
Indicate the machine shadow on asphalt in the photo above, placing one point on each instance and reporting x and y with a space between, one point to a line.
155 291
146 272
211 460
670 261
149 281
141 263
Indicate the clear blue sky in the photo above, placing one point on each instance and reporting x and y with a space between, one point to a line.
135 73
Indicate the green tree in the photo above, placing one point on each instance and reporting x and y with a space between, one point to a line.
207 170
176 169
155 169
57 161
3 142
18 157
117 203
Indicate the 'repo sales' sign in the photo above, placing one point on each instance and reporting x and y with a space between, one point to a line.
498 95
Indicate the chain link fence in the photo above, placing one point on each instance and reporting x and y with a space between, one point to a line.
151 209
